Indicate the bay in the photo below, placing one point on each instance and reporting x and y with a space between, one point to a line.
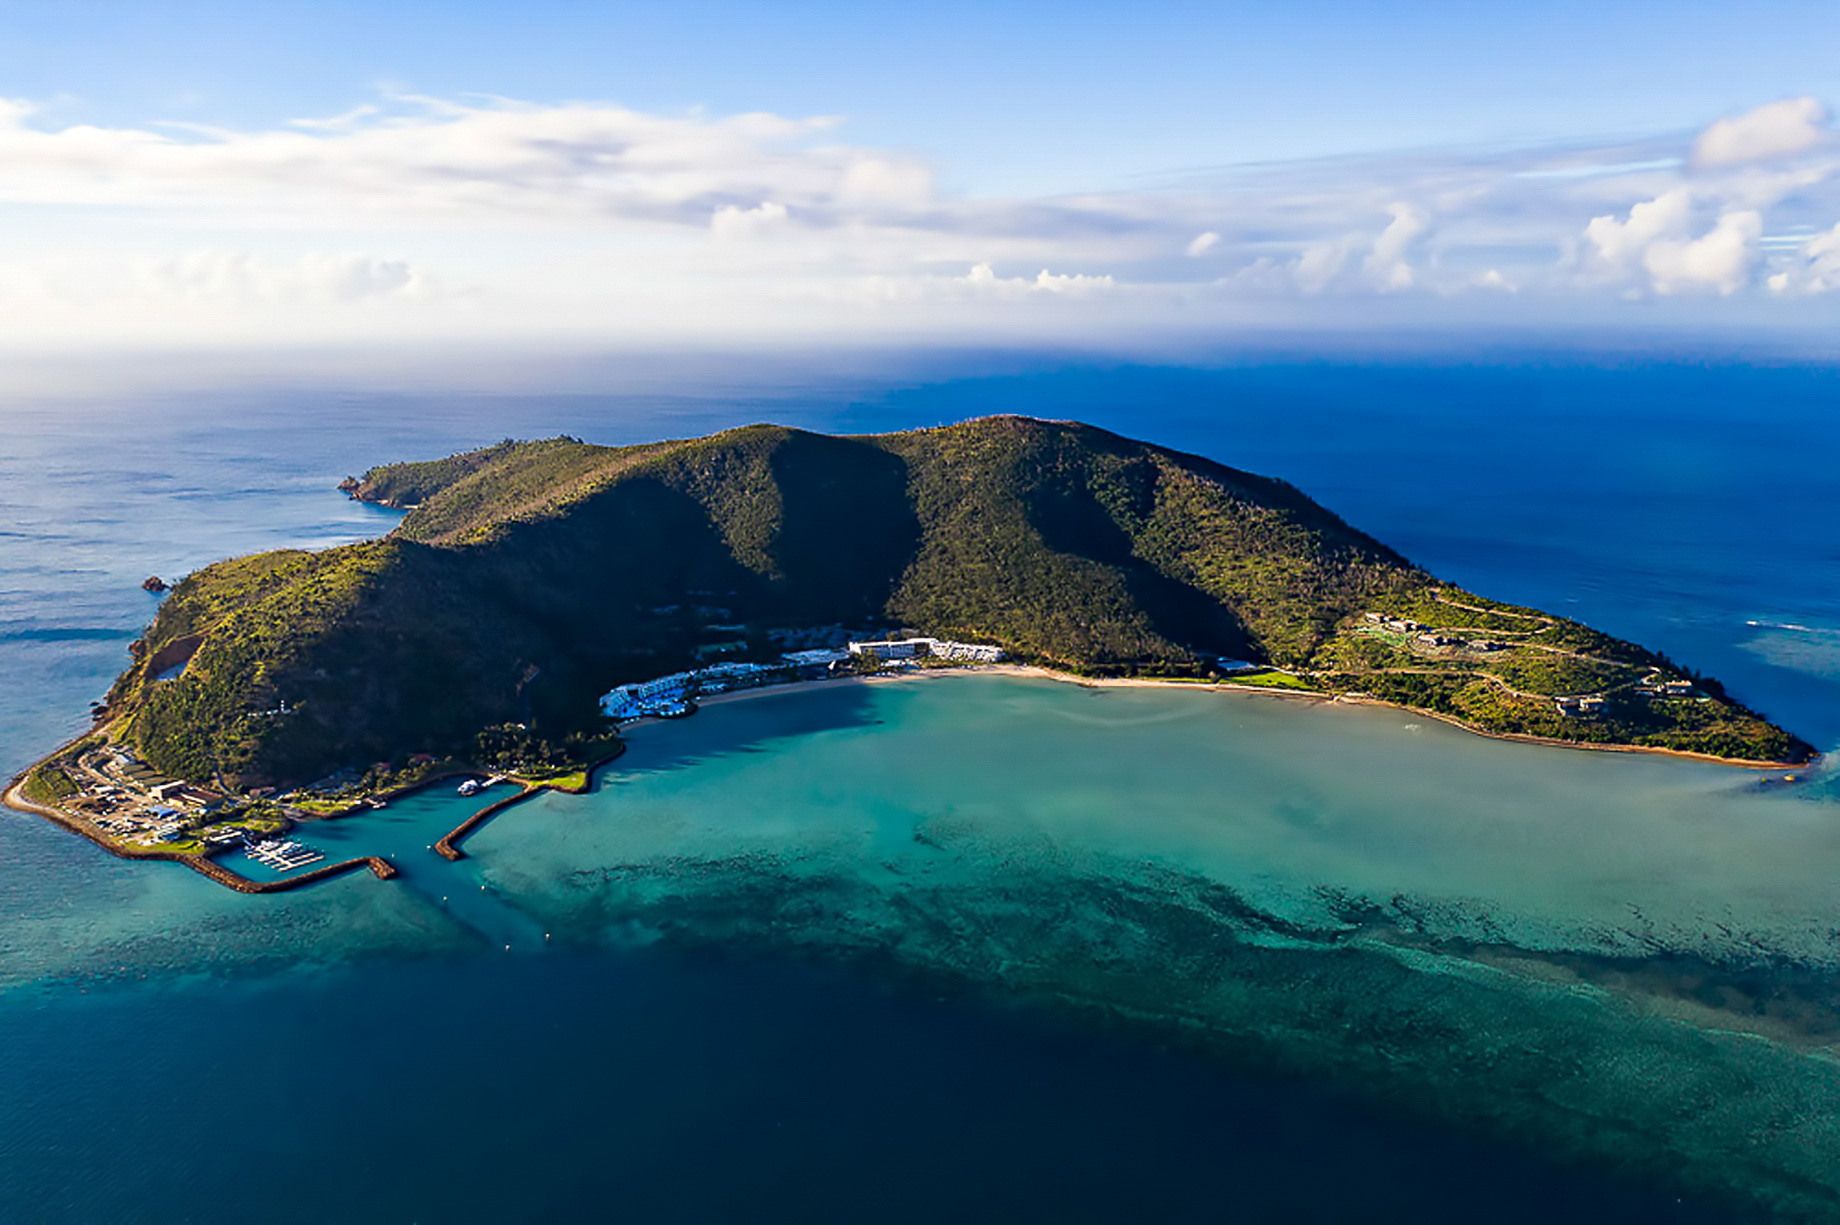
1688 508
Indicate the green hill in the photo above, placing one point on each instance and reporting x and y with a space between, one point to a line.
530 577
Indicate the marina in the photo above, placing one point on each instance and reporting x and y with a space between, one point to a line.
283 856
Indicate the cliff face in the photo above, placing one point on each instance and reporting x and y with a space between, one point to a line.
531 577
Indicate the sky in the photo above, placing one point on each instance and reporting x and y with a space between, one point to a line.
188 176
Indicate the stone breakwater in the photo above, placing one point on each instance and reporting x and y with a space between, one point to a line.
449 846
242 884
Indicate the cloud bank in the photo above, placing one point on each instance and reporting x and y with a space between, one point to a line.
1775 129
591 221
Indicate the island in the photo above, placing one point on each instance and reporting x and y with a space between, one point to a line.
535 592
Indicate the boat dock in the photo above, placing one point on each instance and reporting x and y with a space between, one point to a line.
283 856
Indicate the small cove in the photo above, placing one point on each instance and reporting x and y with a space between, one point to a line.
403 833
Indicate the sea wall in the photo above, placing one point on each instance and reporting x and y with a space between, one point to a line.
242 884
449 846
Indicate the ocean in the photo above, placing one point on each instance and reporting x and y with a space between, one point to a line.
1124 956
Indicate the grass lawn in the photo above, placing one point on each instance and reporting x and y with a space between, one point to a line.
1270 679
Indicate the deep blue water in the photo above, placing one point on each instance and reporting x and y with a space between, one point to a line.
656 1087
1691 508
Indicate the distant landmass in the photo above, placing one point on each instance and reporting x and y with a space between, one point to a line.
528 578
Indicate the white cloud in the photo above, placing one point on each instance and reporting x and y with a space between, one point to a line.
1386 264
980 284
870 179
1775 129
1324 266
1657 239
1817 267
984 281
1319 265
575 164
588 219
1618 243
1072 283
1721 259
232 278
732 222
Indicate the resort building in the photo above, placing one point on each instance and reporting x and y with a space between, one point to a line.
967 652
675 694
900 648
1399 625
938 648
1584 706
672 695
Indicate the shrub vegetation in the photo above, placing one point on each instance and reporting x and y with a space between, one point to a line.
530 577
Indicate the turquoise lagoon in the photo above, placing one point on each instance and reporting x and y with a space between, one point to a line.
971 947
1629 960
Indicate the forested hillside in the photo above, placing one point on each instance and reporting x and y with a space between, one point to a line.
529 577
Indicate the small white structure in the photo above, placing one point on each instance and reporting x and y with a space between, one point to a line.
1584 705
899 648
967 652
938 648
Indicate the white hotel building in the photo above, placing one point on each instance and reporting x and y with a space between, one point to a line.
938 648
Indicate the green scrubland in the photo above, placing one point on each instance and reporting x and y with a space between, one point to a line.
530 577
